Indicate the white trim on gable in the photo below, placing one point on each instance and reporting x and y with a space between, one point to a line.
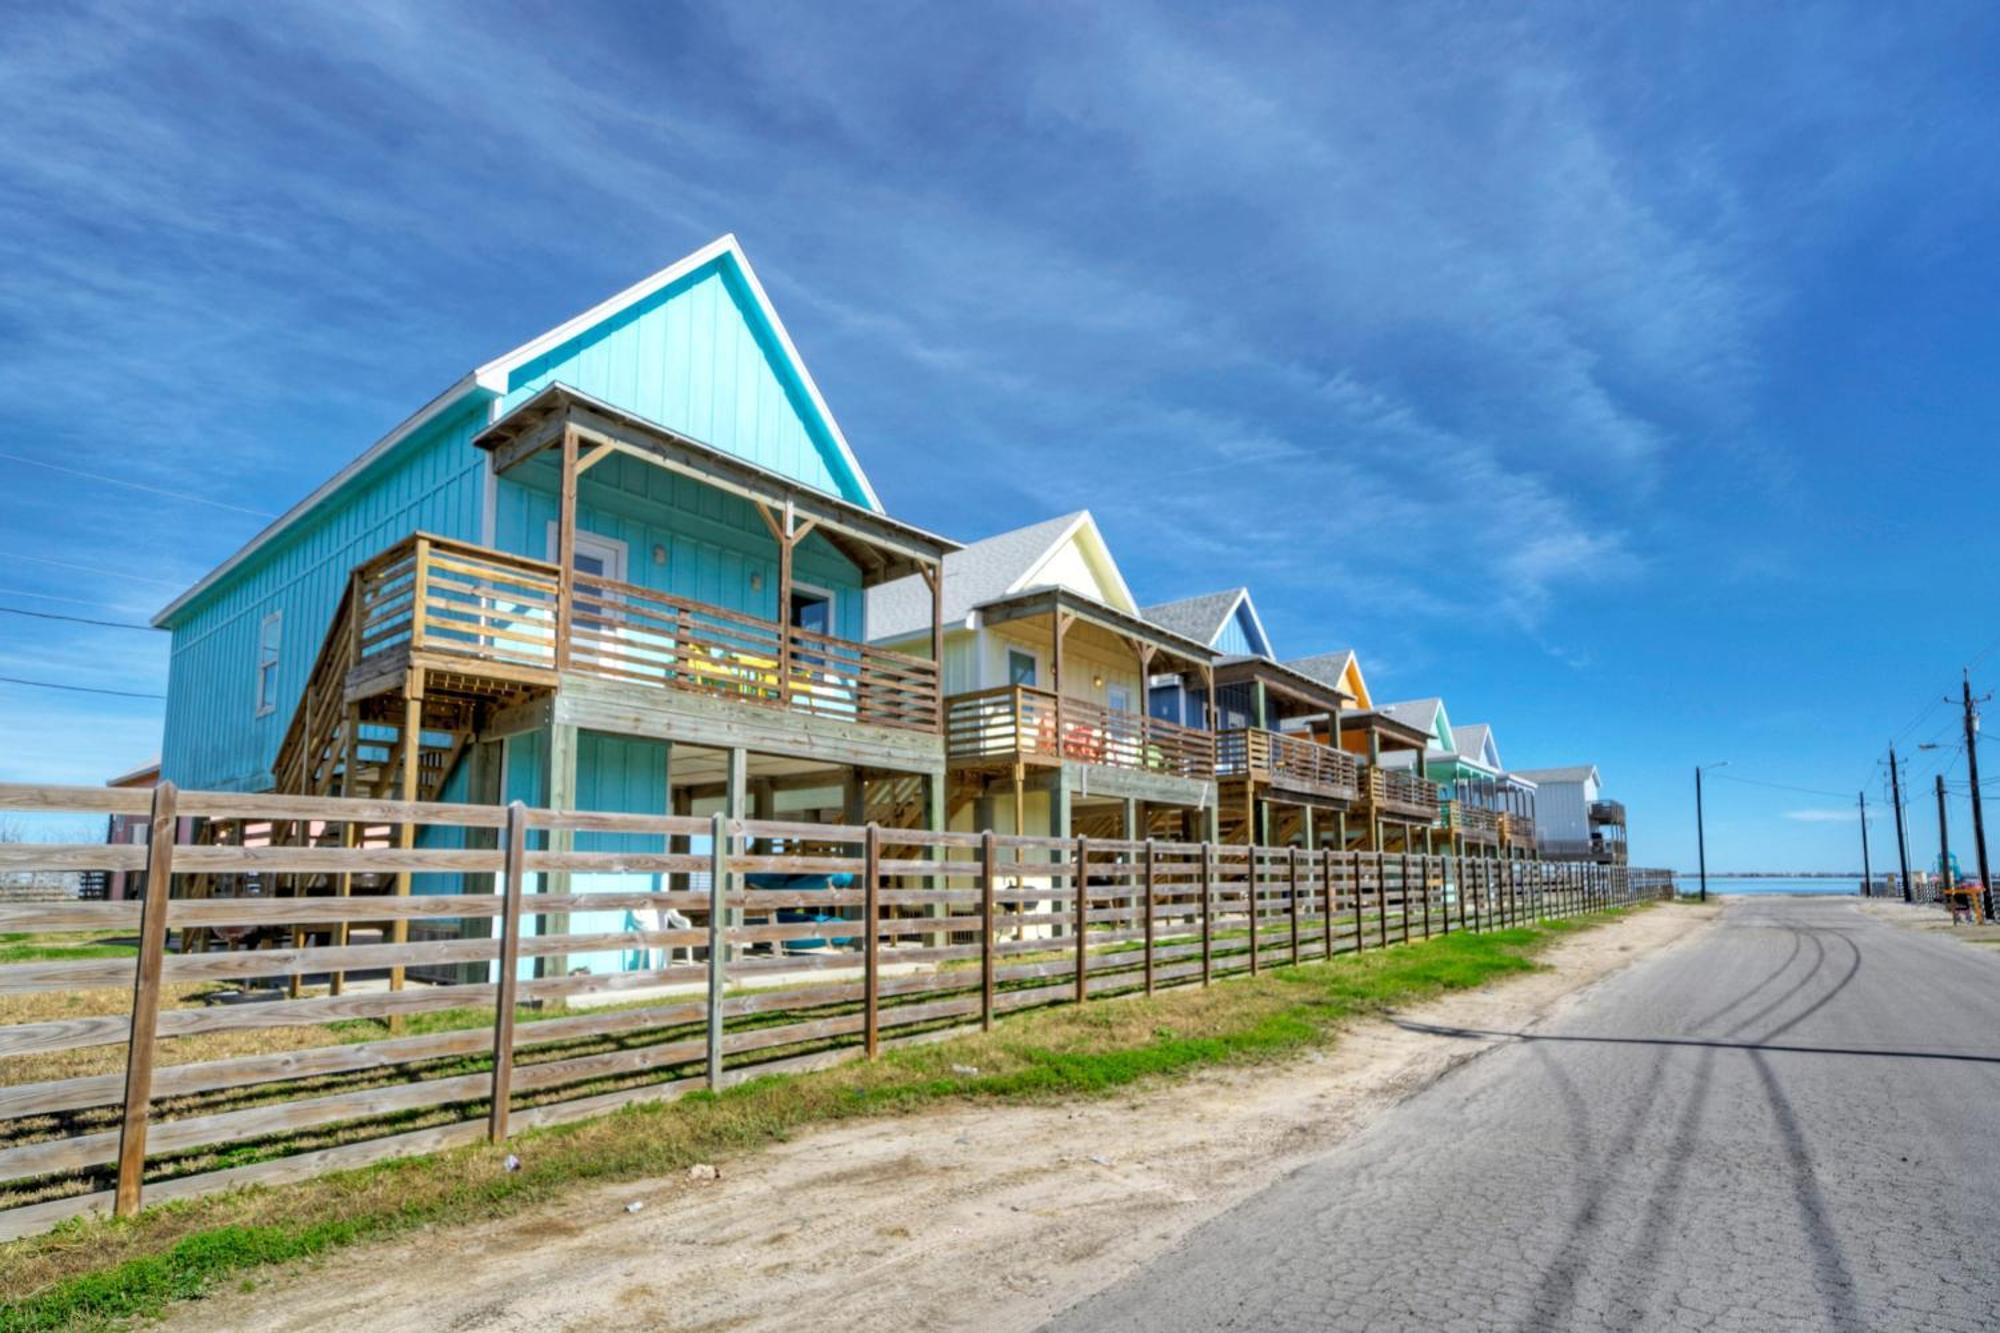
1083 530
494 375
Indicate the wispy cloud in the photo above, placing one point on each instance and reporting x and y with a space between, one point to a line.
1821 816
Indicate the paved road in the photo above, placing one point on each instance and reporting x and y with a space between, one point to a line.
1792 1122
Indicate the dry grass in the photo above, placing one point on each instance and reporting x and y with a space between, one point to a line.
93 1271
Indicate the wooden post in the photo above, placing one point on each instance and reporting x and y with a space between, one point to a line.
1294 868
1081 884
871 962
420 593
1449 869
1382 898
1326 878
1207 894
1252 855
718 914
406 833
1151 881
566 550
1424 873
511 887
988 859
786 544
146 998
934 580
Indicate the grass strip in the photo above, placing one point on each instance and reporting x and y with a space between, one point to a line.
94 1272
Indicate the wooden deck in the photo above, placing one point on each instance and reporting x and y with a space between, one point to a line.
997 728
1289 763
493 623
1471 824
1398 796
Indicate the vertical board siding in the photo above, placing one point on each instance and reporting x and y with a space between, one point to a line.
434 481
713 542
622 775
698 357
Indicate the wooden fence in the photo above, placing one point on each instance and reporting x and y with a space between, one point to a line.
706 957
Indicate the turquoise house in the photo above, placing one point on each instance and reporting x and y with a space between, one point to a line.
621 567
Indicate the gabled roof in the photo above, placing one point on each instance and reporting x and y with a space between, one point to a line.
1339 668
1204 618
1475 740
1573 773
1429 716
998 566
492 381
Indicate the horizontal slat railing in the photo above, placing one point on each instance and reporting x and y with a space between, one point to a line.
693 955
1035 724
1405 793
1291 760
452 600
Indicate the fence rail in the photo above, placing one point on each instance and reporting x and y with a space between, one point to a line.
604 959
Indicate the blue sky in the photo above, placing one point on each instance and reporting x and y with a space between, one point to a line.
1622 374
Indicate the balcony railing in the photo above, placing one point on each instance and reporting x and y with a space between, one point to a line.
1517 830
1289 761
465 603
1607 812
1471 822
1402 793
1019 721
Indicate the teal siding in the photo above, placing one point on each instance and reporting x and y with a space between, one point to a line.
697 356
623 775
713 541
433 481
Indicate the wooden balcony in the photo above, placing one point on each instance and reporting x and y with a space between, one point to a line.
478 614
1471 823
1018 723
1400 795
1517 830
1292 762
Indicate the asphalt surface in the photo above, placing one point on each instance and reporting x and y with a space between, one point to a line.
1790 1122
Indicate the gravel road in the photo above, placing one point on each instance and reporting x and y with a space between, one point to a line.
1792 1124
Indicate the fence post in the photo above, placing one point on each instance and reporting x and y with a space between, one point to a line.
1149 915
1424 868
1251 856
513 855
871 961
988 865
1326 875
1207 891
1294 869
1081 883
1405 896
1449 868
718 914
1382 898
146 998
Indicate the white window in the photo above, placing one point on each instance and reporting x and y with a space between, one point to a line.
270 638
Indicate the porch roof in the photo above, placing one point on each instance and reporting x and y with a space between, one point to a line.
1386 728
884 548
1313 694
1051 598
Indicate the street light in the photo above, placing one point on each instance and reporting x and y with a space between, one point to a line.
1700 835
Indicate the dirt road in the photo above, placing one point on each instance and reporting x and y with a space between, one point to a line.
992 1218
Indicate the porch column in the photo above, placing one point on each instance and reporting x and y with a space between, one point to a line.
934 821
566 549
409 750
735 793
1059 822
559 790
934 580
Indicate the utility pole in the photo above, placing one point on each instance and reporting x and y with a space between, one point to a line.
1867 874
1978 817
1944 847
1700 837
1902 835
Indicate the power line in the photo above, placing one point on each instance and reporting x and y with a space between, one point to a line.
136 485
88 569
77 689
74 620
1780 786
